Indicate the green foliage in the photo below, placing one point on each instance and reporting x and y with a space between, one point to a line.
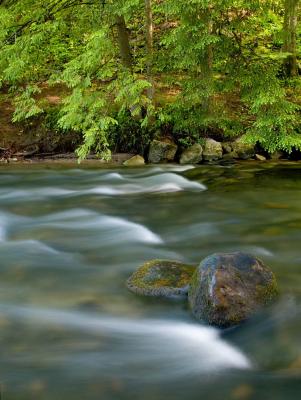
128 135
25 105
222 60
275 125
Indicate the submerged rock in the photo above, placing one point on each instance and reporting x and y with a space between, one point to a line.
192 155
212 150
135 161
227 288
162 150
161 278
230 156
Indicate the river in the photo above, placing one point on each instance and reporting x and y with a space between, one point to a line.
69 239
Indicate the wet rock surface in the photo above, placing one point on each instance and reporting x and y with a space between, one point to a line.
227 288
161 278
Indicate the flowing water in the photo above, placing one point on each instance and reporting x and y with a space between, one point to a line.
70 237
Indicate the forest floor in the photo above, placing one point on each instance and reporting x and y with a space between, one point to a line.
9 133
28 137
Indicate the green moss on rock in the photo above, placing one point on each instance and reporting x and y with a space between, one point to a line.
161 278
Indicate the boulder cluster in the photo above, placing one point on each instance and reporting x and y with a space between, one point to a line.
165 150
224 290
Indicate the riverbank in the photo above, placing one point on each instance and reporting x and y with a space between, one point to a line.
39 140
66 158
119 158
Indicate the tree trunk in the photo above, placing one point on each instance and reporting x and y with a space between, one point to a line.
124 42
149 47
290 36
206 74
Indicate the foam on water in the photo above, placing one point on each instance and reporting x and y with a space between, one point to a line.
112 175
157 170
260 251
69 215
170 347
13 194
180 168
2 233
116 229
3 222
110 184
160 183
33 246
36 194
103 190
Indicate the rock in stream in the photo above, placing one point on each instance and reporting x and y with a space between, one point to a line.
227 288
161 278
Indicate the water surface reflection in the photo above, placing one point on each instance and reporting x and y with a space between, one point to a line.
69 238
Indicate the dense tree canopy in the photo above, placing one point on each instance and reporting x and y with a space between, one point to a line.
132 68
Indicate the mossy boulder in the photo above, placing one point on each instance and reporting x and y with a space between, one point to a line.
192 155
227 288
242 148
161 278
212 150
162 151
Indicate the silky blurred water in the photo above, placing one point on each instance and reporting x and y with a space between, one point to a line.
70 237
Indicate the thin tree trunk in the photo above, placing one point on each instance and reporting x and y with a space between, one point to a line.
149 47
290 36
124 42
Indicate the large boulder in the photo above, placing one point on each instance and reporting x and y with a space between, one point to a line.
135 161
242 149
227 288
212 150
161 278
162 151
192 155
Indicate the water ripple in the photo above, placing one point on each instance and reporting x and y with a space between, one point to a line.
170 347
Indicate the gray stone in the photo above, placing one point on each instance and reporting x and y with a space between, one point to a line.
192 155
212 150
161 278
162 150
227 288
135 161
